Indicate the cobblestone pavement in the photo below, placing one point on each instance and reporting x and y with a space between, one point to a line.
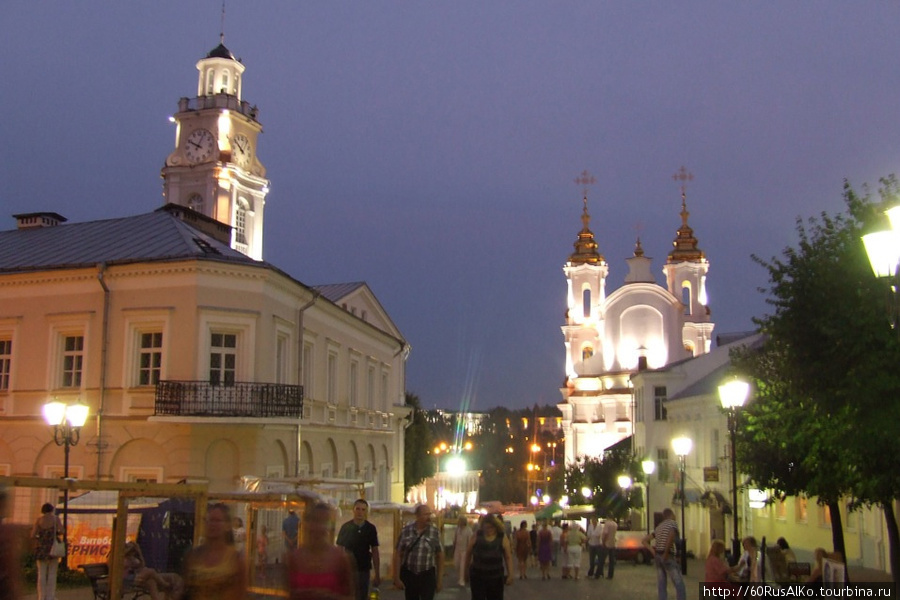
631 582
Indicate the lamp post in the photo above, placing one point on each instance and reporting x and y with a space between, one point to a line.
67 421
883 249
682 446
733 394
649 468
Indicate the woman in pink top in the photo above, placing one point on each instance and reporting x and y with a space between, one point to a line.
318 569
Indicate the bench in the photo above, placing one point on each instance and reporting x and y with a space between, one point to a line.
798 570
98 576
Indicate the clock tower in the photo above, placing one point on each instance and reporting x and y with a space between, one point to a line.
214 168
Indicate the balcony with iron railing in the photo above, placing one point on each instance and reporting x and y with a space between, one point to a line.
238 399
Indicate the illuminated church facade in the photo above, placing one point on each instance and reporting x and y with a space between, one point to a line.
611 335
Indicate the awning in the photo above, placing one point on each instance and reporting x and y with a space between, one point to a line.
692 495
715 500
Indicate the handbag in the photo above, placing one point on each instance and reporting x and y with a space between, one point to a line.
58 549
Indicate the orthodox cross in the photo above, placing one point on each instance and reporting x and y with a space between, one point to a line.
683 175
585 179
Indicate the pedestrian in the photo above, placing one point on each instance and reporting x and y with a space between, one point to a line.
594 532
10 568
239 534
420 568
545 550
574 545
359 537
556 533
290 529
523 548
460 546
564 551
214 570
318 569
661 544
486 556
262 553
533 534
47 530
608 548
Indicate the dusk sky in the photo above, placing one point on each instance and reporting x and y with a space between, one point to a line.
430 148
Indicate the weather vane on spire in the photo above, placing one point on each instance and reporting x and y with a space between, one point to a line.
683 175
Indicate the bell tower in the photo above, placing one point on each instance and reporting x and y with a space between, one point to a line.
685 271
214 168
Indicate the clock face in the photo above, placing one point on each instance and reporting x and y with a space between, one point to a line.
199 145
241 151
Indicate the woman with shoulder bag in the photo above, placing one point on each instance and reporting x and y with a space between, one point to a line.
45 533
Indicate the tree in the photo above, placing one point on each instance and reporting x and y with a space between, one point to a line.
601 475
826 377
417 444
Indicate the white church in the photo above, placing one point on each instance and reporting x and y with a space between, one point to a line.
609 336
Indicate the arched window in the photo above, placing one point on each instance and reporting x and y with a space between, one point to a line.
225 81
586 302
210 81
195 203
686 296
587 352
240 223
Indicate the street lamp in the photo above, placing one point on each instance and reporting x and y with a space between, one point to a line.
682 446
67 421
649 468
883 249
733 395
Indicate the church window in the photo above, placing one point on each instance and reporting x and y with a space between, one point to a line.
587 352
224 82
222 358
195 203
659 403
210 81
586 302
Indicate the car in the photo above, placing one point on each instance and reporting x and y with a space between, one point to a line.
629 548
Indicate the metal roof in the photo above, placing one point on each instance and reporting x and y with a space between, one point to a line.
336 291
156 236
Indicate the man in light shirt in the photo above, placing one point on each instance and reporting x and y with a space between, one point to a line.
608 548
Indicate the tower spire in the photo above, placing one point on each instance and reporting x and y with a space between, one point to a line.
585 244
685 243
222 30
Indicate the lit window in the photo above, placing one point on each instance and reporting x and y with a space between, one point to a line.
150 358
802 508
73 360
5 363
222 358
240 224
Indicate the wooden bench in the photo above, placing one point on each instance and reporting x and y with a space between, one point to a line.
798 570
98 575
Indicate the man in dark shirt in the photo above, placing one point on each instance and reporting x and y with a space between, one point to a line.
360 538
290 529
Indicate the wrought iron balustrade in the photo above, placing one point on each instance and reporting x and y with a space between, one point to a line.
239 399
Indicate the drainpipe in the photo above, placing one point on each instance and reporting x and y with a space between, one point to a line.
300 330
104 343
